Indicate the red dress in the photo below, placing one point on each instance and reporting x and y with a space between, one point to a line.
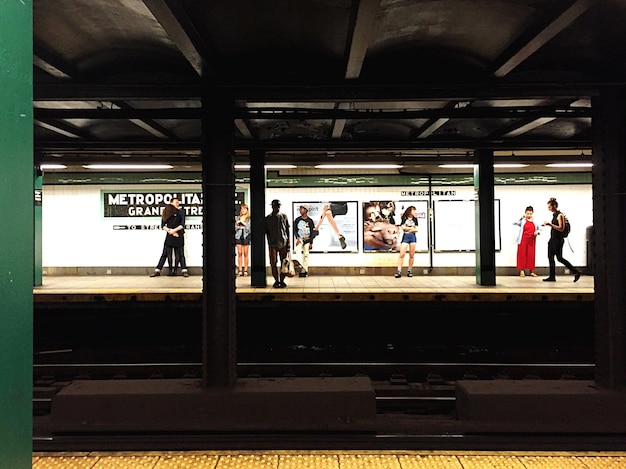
526 248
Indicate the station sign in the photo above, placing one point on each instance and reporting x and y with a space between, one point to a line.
116 204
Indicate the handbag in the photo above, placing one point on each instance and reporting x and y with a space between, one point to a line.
287 266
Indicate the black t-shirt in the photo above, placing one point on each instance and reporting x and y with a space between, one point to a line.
172 222
554 233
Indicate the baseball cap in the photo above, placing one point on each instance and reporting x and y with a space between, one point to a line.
305 207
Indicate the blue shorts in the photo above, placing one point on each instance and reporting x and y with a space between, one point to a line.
409 238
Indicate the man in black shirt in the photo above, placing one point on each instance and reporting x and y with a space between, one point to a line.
277 233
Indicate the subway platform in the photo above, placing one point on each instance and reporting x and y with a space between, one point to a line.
442 288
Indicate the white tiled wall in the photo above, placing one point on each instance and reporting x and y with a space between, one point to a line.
75 233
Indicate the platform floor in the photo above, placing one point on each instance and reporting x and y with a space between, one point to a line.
317 284
332 460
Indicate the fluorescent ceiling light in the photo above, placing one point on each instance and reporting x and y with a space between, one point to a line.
53 166
570 165
358 166
497 165
268 166
128 166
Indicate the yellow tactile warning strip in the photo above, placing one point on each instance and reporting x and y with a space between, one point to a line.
331 460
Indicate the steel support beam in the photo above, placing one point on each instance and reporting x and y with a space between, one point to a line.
318 93
609 234
257 210
219 350
485 223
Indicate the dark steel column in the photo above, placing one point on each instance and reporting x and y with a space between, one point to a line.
258 209
609 235
485 226
219 357
16 241
37 226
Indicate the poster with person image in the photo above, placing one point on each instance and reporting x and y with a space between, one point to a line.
381 224
335 225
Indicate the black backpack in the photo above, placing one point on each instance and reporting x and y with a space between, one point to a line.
566 228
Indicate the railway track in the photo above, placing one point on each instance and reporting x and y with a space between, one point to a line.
410 387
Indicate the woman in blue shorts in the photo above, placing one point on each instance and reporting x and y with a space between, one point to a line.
409 228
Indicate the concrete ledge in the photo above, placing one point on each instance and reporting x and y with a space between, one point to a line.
282 404
546 405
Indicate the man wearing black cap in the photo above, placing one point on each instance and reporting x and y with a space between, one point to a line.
303 232
277 232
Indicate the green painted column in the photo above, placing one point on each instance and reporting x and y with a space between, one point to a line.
16 248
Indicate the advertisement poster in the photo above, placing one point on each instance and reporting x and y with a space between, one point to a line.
381 225
335 224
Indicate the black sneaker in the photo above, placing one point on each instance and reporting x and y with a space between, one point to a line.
397 275
302 274
409 274
276 284
549 279
282 285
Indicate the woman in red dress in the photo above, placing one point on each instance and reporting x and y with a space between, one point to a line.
526 240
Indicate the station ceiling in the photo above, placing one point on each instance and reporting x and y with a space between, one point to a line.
367 81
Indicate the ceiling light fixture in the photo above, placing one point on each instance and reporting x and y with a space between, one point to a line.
52 166
128 166
497 165
569 165
267 166
457 166
358 166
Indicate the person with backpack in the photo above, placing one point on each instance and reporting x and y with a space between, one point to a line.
303 232
555 244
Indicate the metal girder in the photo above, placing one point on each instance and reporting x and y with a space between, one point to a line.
532 112
319 93
361 36
181 31
300 145
522 49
